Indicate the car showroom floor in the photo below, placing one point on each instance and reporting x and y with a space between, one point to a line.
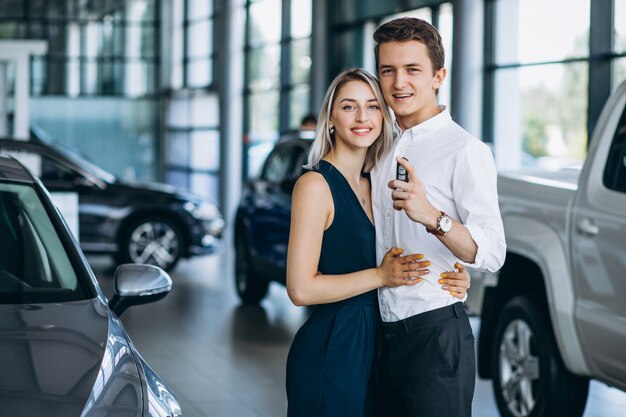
223 359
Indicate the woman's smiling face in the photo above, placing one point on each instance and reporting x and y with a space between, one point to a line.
356 114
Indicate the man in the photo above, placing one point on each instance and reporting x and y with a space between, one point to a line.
447 210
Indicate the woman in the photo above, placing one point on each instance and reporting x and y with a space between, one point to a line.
331 259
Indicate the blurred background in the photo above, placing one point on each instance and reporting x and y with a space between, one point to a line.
196 94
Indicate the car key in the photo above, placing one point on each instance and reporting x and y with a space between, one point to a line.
401 172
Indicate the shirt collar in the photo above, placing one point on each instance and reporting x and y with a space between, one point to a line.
428 126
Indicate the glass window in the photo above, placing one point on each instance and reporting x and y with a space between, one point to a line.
619 41
540 116
206 150
277 165
199 72
536 30
53 171
298 105
301 18
12 8
199 9
615 170
264 68
445 28
300 61
177 178
263 111
178 149
112 39
206 185
139 78
12 30
204 110
140 10
265 22
350 10
350 50
34 267
619 71
140 42
200 39
424 13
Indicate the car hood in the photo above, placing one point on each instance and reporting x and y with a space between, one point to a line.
58 358
157 188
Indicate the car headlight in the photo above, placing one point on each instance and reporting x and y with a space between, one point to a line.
204 211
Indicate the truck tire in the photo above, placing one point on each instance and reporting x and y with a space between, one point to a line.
529 377
251 286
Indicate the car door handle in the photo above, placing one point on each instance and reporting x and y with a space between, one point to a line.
586 227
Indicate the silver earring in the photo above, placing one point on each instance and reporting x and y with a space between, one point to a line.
332 130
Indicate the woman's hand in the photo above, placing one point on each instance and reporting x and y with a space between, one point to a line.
456 282
396 270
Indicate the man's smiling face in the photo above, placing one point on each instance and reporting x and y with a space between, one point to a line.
408 81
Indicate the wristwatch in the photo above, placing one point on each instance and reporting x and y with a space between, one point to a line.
444 225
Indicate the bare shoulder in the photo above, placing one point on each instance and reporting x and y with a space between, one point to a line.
312 184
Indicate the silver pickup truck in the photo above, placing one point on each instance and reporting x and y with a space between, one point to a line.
555 314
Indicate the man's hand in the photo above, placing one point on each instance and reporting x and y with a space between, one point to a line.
456 282
410 197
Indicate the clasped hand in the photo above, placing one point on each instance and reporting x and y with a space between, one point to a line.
396 270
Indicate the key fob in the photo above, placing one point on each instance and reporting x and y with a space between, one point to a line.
401 172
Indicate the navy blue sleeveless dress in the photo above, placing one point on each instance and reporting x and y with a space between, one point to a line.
330 363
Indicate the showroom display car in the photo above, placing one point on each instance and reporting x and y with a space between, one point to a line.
139 223
263 219
63 349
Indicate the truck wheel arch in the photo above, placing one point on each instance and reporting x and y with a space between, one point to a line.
536 265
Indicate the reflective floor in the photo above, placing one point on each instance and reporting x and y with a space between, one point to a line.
227 360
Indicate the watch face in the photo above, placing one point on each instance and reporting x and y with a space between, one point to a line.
445 224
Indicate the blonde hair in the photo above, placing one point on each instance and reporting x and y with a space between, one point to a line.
324 140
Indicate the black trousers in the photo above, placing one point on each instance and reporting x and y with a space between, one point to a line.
428 367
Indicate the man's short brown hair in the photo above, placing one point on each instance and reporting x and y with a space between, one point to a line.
412 29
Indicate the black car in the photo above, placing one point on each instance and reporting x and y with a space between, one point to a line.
263 219
63 349
139 223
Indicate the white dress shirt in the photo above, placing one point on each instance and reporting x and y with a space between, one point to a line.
459 177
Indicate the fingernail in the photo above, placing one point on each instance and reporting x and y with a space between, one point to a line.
420 279
453 294
427 263
401 250
457 265
427 271
441 281
445 288
420 256
443 275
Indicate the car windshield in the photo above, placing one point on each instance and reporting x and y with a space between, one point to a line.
34 266
72 154
84 163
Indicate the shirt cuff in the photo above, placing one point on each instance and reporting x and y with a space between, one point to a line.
479 237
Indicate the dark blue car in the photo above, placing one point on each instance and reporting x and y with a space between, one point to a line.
263 218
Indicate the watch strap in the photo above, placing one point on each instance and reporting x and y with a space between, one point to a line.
438 231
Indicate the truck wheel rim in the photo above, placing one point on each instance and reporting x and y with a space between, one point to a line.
519 368
154 243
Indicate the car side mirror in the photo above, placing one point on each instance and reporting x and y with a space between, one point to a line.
137 284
